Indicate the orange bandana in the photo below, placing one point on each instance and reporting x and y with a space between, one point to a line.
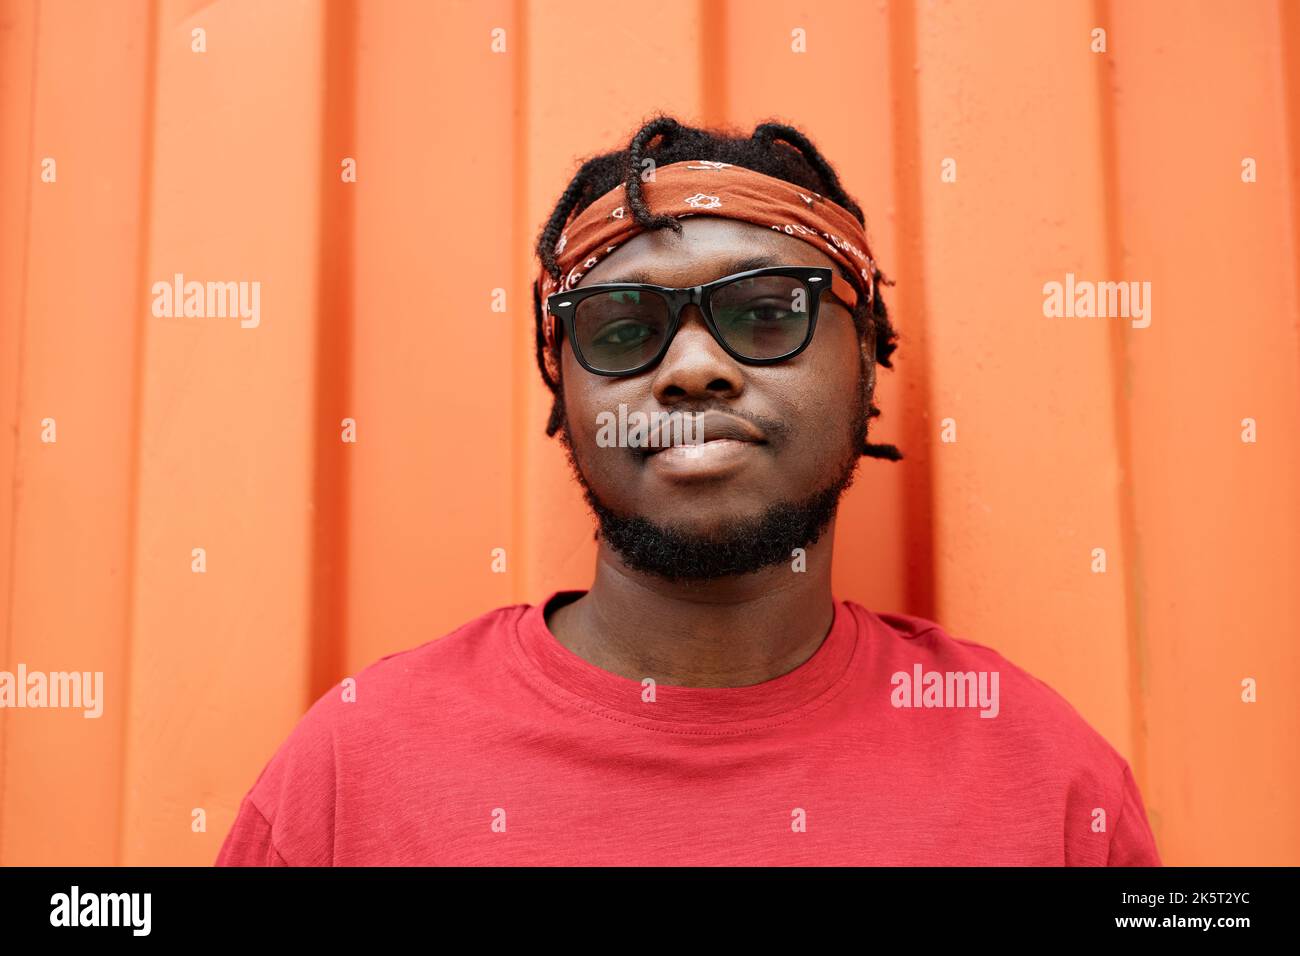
700 187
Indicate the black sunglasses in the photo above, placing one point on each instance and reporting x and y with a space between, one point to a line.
759 317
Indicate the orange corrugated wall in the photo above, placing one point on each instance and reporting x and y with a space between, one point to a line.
377 305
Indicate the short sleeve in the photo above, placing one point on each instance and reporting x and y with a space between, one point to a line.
249 841
1133 843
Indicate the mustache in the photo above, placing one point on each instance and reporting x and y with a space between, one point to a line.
777 431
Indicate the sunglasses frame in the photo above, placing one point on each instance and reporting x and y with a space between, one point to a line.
564 307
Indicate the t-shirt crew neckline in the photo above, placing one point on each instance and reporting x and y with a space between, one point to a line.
707 710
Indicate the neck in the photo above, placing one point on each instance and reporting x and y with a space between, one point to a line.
730 632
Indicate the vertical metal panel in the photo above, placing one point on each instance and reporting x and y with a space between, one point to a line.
1218 520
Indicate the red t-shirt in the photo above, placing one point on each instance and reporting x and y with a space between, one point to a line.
496 745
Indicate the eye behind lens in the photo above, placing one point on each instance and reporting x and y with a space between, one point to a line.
622 329
763 317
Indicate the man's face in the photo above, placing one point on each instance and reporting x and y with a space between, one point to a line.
737 506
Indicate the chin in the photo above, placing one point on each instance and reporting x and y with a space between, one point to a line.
700 508
714 525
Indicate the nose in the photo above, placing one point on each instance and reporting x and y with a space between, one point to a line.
695 366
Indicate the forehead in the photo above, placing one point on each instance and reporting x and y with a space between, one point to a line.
707 248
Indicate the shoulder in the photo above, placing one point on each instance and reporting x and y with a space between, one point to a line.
1015 712
423 676
1031 737
364 723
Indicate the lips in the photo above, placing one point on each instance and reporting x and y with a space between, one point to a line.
704 428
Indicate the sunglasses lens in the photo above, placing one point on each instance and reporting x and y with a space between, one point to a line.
621 330
763 317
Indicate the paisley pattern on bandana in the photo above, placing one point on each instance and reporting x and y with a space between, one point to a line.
706 187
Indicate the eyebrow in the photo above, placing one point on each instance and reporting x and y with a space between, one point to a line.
738 265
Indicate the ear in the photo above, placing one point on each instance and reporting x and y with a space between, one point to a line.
867 342
555 366
551 356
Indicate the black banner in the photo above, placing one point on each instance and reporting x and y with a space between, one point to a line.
641 906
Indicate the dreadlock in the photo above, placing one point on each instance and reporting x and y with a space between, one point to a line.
774 149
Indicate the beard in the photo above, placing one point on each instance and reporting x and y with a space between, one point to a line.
744 545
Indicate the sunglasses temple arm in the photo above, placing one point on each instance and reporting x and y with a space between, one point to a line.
845 292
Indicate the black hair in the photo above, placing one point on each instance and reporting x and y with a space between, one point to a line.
773 148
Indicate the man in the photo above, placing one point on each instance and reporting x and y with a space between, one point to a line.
707 701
